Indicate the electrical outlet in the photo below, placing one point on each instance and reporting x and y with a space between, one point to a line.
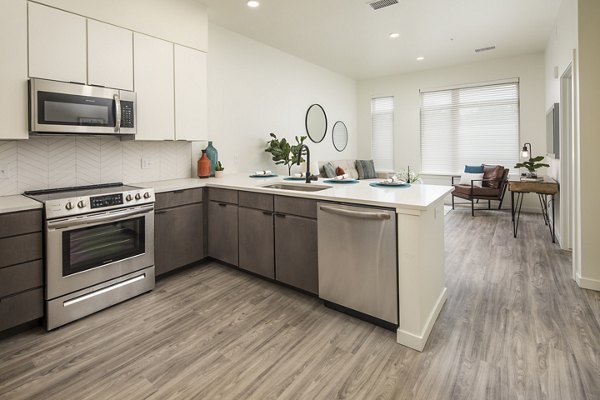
146 163
3 171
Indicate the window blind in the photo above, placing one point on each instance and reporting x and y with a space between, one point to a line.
382 128
469 126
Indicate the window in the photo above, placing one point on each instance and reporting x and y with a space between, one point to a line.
382 144
469 126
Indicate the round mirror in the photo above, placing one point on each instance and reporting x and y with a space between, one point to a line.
316 123
339 135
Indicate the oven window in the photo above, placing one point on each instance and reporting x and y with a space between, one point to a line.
95 246
68 109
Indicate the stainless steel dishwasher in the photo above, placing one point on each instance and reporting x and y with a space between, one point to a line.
357 261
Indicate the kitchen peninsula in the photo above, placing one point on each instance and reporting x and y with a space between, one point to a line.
419 234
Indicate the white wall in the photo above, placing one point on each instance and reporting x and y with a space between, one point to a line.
558 57
179 21
589 135
405 89
254 89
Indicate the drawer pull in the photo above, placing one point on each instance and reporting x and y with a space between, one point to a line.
280 215
179 191
222 204
267 213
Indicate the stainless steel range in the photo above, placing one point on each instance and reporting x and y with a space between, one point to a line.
99 248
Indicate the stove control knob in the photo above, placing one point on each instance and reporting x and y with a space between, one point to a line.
128 197
138 196
69 206
81 204
146 195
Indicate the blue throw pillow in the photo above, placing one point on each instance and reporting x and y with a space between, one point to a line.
474 169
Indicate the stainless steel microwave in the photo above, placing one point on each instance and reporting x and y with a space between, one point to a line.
72 108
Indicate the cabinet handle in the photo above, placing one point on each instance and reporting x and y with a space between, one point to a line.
161 212
280 215
178 191
223 204
267 213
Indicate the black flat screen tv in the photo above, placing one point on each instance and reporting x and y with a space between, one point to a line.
553 131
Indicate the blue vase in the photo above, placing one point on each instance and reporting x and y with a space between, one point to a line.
213 156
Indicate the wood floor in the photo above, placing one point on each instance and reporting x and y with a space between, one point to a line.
515 326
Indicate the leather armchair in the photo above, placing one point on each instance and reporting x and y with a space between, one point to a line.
493 187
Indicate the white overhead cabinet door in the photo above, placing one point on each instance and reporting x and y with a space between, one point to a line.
190 94
153 82
110 56
57 44
13 70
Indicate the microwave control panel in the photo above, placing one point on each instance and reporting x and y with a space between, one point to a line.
127 116
106 201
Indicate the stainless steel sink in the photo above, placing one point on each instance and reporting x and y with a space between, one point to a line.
299 187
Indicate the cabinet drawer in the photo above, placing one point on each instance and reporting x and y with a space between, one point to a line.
20 249
19 278
178 198
256 200
21 308
19 223
296 206
223 195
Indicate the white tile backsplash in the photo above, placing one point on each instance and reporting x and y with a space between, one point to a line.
55 161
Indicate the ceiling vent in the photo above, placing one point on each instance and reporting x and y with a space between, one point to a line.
376 5
482 49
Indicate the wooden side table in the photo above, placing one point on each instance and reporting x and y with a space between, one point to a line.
545 188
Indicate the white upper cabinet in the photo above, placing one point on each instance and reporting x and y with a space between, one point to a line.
109 55
13 70
190 94
153 83
57 44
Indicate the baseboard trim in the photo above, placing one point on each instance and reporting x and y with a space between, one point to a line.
587 283
418 342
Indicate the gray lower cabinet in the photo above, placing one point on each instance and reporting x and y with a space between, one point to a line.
256 239
21 268
296 257
178 229
223 225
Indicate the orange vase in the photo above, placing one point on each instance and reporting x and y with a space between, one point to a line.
204 166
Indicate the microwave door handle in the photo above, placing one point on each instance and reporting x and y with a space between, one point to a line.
96 219
118 116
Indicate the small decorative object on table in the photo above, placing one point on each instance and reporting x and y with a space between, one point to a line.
408 176
219 170
284 153
213 155
203 166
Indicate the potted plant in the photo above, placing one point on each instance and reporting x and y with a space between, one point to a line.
219 170
409 176
282 152
532 165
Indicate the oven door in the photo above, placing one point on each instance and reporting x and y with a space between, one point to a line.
90 249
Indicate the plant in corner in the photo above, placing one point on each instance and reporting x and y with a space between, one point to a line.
532 165
282 152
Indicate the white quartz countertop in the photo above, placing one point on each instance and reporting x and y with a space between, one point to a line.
16 203
416 197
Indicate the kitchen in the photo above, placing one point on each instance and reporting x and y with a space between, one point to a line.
205 304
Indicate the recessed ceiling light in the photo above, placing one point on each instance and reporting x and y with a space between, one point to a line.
394 35
252 3
420 58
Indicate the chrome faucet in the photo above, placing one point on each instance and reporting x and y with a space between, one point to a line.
309 177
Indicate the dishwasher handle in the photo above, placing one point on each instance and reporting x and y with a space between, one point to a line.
356 214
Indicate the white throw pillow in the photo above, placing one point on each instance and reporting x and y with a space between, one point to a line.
465 179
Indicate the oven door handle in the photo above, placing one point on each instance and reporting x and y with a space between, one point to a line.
95 219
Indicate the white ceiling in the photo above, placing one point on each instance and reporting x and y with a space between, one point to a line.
349 37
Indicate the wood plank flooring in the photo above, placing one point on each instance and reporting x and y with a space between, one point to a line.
515 326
